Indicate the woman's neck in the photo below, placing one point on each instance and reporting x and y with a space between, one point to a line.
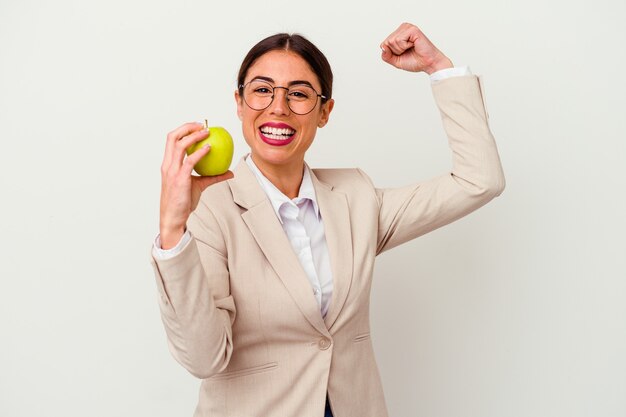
287 178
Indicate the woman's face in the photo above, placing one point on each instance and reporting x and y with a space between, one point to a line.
277 136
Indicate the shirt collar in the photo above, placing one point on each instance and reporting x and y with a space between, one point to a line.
277 198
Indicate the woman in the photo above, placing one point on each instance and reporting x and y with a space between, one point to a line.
264 279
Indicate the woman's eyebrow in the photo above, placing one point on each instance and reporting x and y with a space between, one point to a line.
299 82
294 82
262 78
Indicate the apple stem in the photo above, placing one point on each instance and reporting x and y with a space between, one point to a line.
206 124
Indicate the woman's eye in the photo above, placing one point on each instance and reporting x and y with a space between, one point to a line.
262 90
298 94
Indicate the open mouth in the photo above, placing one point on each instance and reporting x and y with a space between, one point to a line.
277 134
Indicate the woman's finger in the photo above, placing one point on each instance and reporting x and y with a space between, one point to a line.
386 54
400 39
173 137
193 159
392 46
398 45
187 141
204 182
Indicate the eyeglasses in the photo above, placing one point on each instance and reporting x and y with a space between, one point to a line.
301 98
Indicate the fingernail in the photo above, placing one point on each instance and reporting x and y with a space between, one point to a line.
206 145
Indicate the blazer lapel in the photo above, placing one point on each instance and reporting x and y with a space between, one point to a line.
271 238
336 217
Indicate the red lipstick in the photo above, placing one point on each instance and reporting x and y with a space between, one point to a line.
277 134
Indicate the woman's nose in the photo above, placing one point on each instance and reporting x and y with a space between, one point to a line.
280 104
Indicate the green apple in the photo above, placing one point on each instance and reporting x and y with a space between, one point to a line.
217 161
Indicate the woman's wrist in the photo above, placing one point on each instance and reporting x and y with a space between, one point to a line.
170 237
442 62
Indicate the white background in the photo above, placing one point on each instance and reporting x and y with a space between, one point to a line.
517 310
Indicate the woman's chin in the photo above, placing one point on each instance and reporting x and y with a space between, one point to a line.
272 156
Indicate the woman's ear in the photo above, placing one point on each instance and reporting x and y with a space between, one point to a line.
239 105
325 112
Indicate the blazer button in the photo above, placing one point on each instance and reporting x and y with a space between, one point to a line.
324 343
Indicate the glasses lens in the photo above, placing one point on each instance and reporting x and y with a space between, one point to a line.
258 94
302 99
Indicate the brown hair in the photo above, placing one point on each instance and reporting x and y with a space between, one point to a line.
297 44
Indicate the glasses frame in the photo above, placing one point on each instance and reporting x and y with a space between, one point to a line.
243 86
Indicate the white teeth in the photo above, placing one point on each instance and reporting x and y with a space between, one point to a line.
276 133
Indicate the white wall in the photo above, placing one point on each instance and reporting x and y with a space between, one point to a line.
517 310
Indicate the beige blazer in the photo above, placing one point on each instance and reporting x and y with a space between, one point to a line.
239 311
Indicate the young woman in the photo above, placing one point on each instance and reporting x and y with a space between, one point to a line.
264 279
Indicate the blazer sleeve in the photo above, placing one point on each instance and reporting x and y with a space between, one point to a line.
476 176
196 306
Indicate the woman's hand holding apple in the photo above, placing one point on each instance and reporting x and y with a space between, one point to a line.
180 191
409 49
